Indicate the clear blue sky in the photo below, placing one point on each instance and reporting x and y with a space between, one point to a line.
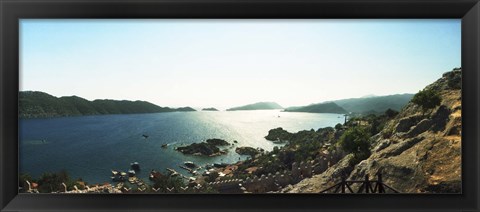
225 63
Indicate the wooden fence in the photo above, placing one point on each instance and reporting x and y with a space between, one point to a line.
367 186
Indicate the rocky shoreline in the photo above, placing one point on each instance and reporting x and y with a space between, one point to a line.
417 150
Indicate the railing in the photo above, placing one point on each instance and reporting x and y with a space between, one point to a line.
367 186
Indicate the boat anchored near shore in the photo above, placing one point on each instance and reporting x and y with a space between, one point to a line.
118 176
135 166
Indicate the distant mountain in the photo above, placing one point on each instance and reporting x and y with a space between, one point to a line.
209 109
369 104
328 107
258 106
36 104
375 104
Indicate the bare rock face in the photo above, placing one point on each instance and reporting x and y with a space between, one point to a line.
417 152
425 153
324 180
405 124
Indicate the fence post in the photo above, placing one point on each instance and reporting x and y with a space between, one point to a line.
367 184
343 185
380 184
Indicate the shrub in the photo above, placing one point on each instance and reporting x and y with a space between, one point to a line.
391 113
338 126
427 99
52 182
455 82
355 140
163 182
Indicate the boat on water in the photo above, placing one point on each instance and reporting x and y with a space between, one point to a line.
164 145
186 168
131 173
135 166
132 180
117 176
189 164
220 165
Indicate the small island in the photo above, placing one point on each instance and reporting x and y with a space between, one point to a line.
185 109
210 109
207 148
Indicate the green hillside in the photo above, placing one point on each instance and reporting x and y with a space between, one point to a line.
36 104
377 104
369 105
328 107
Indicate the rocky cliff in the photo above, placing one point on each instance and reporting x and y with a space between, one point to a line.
417 152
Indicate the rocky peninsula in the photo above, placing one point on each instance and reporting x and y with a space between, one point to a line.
278 135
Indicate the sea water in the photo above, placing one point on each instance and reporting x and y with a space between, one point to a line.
89 147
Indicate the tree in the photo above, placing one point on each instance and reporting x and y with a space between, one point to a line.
355 140
52 182
212 177
427 99
275 150
338 126
165 182
391 113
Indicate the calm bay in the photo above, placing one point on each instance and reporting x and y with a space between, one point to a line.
88 147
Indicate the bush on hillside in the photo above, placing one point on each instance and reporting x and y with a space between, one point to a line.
427 99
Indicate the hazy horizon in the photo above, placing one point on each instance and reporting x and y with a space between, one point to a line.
229 63
222 108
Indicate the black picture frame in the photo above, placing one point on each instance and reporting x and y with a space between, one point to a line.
13 10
